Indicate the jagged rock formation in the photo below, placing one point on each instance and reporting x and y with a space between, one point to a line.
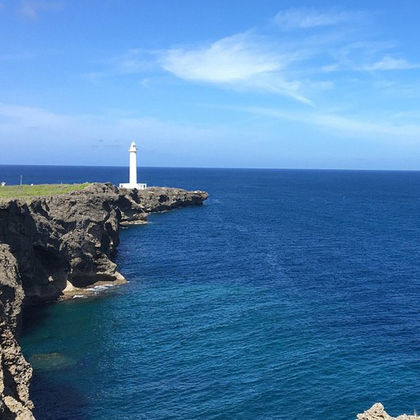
51 245
377 412
15 372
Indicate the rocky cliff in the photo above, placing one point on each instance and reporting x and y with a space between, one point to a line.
52 246
377 412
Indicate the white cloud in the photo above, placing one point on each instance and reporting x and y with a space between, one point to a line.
231 59
241 61
310 18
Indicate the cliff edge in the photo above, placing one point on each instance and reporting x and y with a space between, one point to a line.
51 247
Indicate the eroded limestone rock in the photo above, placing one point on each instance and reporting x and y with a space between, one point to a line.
377 412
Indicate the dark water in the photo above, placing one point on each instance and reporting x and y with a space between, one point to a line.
289 295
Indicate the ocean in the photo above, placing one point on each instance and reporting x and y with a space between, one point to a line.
290 294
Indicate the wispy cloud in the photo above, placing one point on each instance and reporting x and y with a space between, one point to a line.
132 61
227 60
243 61
32 8
34 130
368 57
297 65
391 63
344 125
311 18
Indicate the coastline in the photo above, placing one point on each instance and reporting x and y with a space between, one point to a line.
96 231
60 247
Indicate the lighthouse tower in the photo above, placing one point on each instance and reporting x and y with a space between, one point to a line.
133 170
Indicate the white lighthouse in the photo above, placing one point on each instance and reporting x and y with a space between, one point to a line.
133 170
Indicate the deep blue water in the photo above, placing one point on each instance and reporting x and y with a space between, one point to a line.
289 295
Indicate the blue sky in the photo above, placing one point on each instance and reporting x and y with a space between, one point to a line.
209 83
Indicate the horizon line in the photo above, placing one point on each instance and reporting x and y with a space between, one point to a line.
219 167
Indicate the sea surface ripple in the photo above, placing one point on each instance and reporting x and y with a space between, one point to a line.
288 295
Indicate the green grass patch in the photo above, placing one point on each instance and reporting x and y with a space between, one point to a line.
41 190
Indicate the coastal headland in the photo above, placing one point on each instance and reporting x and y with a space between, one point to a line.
56 242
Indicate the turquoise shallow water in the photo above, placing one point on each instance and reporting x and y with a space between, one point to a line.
289 295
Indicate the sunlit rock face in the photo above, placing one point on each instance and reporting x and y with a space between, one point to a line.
377 412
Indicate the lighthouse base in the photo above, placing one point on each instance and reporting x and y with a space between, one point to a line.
134 186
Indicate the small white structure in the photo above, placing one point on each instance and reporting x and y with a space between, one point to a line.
133 170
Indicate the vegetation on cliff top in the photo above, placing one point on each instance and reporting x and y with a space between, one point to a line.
41 190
